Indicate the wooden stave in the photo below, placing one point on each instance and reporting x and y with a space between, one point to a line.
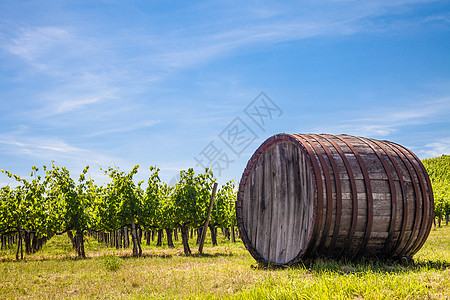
239 205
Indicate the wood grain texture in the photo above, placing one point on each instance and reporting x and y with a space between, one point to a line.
308 195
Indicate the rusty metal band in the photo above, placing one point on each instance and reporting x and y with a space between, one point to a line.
369 197
404 219
421 230
415 223
431 199
318 177
425 225
329 191
351 177
393 193
337 182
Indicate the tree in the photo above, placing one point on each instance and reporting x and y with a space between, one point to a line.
157 207
123 204
149 218
28 211
76 203
105 217
13 214
223 214
191 197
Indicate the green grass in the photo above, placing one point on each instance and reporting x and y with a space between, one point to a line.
226 271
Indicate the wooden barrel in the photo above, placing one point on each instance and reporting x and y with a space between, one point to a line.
308 195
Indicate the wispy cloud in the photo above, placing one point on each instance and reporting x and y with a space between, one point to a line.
437 148
68 99
443 18
70 105
68 64
382 122
124 129
87 67
51 49
43 150
283 23
34 44
50 148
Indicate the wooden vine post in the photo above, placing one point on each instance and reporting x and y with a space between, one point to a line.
205 226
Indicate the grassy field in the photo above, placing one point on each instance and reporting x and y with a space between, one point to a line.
226 271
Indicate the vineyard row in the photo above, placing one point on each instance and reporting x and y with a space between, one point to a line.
53 203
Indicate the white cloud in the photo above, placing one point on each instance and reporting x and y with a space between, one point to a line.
70 99
440 18
69 105
35 43
420 110
437 148
86 67
43 150
383 122
52 49
367 130
124 129
70 66
50 148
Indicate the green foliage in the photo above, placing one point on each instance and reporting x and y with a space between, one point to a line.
105 210
191 197
75 201
157 209
124 195
224 213
438 169
165 212
56 203
28 207
123 200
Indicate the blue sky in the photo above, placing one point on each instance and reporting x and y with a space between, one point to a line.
106 83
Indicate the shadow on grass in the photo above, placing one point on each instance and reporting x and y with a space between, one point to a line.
344 266
164 255
146 255
67 257
73 257
217 254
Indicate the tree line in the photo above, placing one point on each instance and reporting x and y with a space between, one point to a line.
52 202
